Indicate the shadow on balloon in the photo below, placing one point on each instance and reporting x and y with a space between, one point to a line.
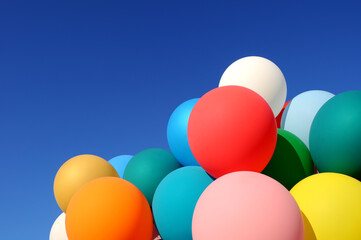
309 233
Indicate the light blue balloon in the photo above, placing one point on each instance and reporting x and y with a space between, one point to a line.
300 112
119 163
177 133
175 200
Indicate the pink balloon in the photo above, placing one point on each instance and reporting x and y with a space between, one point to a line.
155 235
247 205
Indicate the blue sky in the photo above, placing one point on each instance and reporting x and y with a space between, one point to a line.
103 77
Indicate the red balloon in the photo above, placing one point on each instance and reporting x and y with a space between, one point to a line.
230 129
279 116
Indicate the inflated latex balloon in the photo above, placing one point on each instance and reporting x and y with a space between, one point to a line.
119 163
177 133
300 112
260 75
231 129
247 205
331 206
109 208
175 199
279 116
147 168
291 162
335 137
155 234
77 171
58 231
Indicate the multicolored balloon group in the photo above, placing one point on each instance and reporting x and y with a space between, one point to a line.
242 166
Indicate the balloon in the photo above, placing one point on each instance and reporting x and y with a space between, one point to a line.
77 171
109 208
331 206
119 163
299 114
335 137
147 168
155 234
247 205
260 75
230 129
291 162
175 199
177 133
279 116
58 231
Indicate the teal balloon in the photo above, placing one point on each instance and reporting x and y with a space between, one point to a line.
291 161
177 133
175 199
119 163
147 169
335 136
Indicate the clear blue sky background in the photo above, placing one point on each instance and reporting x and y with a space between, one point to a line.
103 77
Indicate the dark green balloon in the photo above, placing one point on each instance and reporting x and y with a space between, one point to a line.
291 161
335 135
147 169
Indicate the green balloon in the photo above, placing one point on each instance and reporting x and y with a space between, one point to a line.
147 169
335 135
291 161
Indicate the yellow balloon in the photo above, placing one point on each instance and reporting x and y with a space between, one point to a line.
331 206
77 171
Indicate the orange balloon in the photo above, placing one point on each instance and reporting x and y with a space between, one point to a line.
109 208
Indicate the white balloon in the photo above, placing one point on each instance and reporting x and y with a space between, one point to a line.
58 231
260 75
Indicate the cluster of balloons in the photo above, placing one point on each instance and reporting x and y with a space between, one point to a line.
244 164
